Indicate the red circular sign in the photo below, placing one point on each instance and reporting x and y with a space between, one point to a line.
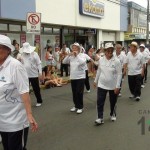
33 19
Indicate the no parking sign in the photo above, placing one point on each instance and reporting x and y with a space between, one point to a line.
33 23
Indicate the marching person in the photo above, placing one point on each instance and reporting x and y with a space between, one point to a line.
135 65
77 75
108 79
32 63
146 57
122 59
15 105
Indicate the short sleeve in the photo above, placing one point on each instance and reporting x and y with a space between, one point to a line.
20 79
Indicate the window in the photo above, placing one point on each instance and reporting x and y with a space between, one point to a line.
3 27
14 27
56 31
48 30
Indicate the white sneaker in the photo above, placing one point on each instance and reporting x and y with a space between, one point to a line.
137 98
142 86
119 94
38 104
131 96
113 118
73 109
79 111
99 121
88 91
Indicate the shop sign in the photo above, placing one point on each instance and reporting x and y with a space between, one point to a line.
132 36
90 31
92 8
33 23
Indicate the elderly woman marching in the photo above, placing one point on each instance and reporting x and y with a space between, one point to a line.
108 79
77 63
15 107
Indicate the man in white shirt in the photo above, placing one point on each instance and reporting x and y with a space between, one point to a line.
135 65
32 63
122 59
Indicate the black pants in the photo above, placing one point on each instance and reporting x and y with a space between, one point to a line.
145 72
35 85
87 84
15 140
64 67
135 84
101 96
77 91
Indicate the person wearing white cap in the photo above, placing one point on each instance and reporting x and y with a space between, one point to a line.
146 55
135 64
32 63
108 79
15 106
77 75
122 59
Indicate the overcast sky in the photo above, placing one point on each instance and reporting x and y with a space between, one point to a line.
140 2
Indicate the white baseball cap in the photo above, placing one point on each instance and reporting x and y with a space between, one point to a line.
4 40
142 45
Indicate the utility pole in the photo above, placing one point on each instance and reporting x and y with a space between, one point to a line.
147 31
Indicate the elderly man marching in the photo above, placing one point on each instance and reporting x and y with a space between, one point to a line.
135 64
77 63
146 55
108 79
32 63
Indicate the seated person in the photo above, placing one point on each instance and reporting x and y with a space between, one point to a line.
56 78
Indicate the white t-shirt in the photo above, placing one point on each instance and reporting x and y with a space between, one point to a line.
87 59
109 73
32 63
13 83
135 63
77 66
121 57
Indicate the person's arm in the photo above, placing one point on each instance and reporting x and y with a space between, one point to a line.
27 103
39 65
66 60
20 80
97 75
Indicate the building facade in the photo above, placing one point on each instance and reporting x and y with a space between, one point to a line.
89 22
137 23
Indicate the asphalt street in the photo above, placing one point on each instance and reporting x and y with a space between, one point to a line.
59 129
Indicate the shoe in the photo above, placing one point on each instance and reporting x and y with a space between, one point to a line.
79 111
38 104
131 96
137 98
88 91
99 121
119 95
113 118
142 86
73 109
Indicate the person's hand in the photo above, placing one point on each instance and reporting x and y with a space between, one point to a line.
94 85
142 74
34 125
40 77
116 91
75 53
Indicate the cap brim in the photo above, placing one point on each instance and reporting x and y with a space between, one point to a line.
9 46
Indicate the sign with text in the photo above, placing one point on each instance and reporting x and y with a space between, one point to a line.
92 8
33 23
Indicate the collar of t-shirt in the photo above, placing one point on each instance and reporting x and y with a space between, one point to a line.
6 62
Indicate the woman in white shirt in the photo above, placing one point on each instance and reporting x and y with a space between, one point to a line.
77 63
108 79
15 107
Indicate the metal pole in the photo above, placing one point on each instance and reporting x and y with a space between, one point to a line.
147 31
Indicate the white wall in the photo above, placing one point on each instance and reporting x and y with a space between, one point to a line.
66 12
